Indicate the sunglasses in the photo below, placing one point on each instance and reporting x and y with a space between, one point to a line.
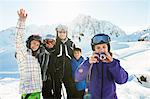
50 42
100 39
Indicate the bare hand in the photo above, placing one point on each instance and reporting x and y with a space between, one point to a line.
93 59
109 58
22 14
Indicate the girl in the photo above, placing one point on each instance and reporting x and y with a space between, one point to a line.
102 69
30 71
64 52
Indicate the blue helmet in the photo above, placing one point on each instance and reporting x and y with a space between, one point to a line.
100 39
49 37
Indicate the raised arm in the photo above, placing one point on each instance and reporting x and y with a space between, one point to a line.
20 48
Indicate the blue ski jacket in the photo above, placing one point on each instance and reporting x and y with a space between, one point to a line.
75 64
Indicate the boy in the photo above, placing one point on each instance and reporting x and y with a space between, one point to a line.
102 69
30 72
76 62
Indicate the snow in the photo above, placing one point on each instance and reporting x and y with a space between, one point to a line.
1 50
135 60
9 88
134 56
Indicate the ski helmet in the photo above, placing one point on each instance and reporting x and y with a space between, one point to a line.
31 38
100 39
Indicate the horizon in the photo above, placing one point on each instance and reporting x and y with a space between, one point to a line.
135 14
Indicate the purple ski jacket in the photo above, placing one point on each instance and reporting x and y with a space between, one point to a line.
103 78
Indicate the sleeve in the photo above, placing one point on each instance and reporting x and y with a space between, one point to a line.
73 68
119 74
20 48
82 72
74 46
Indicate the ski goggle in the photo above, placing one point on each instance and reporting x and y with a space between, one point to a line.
100 39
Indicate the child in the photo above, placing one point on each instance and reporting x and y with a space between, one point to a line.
103 71
64 53
76 62
30 71
47 61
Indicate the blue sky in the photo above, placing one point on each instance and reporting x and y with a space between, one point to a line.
129 15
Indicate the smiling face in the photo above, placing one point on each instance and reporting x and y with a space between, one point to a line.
62 34
50 43
77 54
99 48
34 45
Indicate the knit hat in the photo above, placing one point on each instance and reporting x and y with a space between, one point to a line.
61 27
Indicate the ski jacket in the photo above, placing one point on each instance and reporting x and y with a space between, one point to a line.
103 78
47 59
75 64
64 54
29 67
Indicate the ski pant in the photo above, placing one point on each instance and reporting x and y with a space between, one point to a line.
47 89
31 96
69 85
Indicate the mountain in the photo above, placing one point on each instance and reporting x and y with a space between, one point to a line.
7 44
87 26
143 35
81 30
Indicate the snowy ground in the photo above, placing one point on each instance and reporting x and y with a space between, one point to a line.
134 57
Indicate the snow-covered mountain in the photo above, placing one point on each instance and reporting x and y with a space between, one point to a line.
80 26
143 35
133 56
81 29
87 26
7 45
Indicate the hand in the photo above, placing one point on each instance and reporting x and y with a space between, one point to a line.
93 59
22 15
109 58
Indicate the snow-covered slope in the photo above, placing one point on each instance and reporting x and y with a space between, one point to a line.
134 59
143 35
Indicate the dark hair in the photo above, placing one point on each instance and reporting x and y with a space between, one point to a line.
76 49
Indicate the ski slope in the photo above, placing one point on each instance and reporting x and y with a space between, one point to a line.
134 57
